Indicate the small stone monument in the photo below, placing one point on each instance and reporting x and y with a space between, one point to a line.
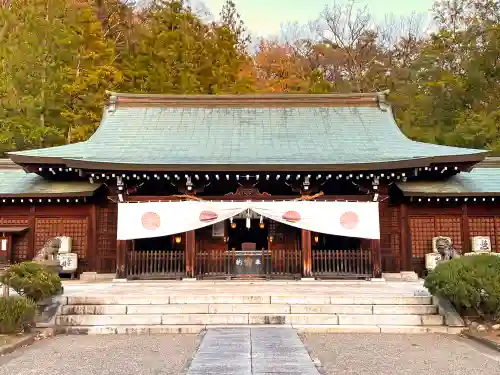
481 244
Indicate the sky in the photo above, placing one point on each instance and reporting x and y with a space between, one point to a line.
265 17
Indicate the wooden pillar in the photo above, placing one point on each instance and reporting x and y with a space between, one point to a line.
383 207
466 242
190 246
377 258
32 234
93 264
121 256
406 257
306 253
122 246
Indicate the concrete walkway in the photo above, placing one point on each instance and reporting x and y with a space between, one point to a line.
252 351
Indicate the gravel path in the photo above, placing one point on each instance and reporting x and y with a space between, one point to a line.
377 354
103 355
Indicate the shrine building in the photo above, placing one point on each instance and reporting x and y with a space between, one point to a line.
238 186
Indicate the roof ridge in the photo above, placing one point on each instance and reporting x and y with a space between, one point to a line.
238 100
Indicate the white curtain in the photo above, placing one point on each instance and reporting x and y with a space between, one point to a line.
155 219
350 219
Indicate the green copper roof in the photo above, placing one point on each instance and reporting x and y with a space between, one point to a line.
20 184
240 135
480 181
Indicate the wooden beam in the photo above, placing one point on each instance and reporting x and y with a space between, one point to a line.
158 198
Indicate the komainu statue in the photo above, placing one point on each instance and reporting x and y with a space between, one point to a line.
443 246
442 250
48 254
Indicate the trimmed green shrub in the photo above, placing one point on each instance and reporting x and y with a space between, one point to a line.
32 280
469 282
16 314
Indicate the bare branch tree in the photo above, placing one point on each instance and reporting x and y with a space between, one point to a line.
351 34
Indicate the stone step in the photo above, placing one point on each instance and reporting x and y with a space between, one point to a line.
255 308
249 299
249 318
195 329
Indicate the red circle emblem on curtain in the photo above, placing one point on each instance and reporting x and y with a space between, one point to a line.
208 216
292 216
151 221
349 220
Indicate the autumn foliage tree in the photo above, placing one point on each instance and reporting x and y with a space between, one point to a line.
58 57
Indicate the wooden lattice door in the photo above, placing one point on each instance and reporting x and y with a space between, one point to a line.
106 239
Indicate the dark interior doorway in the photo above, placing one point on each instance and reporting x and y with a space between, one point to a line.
174 242
329 242
241 234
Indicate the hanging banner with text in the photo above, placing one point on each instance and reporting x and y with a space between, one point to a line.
156 219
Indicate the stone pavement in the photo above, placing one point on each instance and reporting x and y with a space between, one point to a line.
252 351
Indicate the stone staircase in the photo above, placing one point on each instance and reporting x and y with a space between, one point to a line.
191 313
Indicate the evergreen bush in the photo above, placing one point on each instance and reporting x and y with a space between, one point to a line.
32 280
16 314
469 282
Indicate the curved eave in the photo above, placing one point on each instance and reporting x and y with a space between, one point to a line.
387 165
50 195
451 194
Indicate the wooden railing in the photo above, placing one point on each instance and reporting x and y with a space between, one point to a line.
214 263
157 264
357 263
217 263
285 263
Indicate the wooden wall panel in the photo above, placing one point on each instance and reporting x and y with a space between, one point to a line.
107 218
45 230
450 226
390 237
14 221
78 230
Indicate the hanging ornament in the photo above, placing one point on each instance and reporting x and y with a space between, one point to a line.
248 224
